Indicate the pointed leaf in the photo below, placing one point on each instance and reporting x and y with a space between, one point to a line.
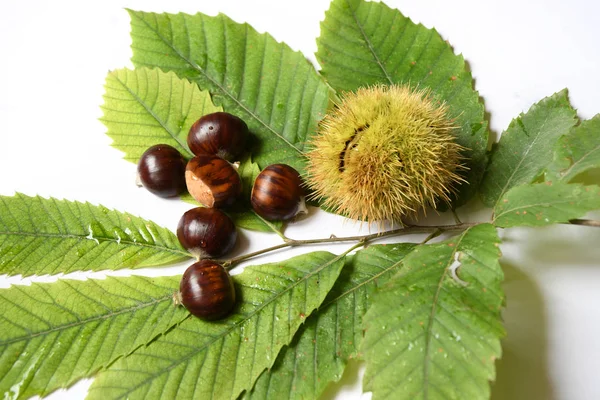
275 90
145 107
52 335
365 43
219 360
332 335
433 331
576 152
49 236
547 203
522 152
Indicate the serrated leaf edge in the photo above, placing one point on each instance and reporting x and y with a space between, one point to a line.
217 84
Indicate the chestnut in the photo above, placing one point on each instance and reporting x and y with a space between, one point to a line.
213 181
206 232
277 193
206 290
161 170
219 133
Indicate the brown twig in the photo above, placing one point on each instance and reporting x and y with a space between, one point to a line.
406 230
585 222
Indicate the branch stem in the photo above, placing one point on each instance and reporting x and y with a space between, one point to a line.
585 222
433 230
405 230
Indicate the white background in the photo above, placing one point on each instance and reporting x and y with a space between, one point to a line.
54 57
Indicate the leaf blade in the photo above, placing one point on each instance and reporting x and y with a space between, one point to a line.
274 89
53 334
541 204
185 363
366 43
434 333
145 107
331 336
48 236
522 152
576 152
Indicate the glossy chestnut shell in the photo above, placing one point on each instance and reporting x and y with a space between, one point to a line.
206 232
207 291
277 193
212 181
161 170
219 133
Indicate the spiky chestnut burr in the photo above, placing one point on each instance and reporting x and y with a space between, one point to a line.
384 152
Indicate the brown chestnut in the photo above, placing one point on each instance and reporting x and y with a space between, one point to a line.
161 170
206 232
277 193
206 290
213 181
219 133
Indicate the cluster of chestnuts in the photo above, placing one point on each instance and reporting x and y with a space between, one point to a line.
217 140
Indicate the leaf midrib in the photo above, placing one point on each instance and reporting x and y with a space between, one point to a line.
432 317
366 281
99 238
219 86
234 326
369 44
565 173
88 320
152 113
547 204
523 157
589 124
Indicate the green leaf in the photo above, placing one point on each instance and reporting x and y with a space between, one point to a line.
546 203
522 152
274 89
252 221
576 152
366 43
52 335
145 107
433 331
48 236
219 360
332 335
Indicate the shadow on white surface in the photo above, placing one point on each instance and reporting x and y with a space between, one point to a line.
522 372
350 386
